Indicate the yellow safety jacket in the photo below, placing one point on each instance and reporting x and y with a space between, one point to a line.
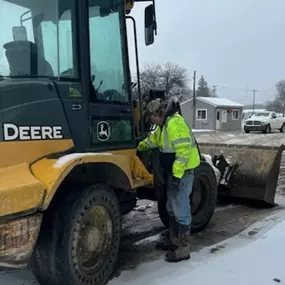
177 146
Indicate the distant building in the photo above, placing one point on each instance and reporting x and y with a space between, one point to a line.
213 113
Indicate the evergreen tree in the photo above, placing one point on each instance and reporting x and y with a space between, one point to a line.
203 89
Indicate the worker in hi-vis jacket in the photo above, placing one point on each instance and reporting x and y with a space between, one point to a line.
179 156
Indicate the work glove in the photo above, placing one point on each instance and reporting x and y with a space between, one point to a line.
174 183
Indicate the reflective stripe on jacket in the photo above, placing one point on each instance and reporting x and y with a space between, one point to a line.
177 138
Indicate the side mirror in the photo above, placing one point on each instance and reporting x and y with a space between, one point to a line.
149 24
273 116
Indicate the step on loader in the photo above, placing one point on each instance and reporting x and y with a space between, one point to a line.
70 126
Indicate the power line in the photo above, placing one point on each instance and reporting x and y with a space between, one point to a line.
194 100
243 89
214 90
253 100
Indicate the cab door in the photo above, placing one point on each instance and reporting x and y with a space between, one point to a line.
274 121
110 108
218 119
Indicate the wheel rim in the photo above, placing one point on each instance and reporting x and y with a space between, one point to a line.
94 239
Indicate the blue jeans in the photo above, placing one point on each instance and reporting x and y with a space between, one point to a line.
178 202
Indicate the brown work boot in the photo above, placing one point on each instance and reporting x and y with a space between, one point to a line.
182 252
169 242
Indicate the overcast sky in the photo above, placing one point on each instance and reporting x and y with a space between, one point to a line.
234 44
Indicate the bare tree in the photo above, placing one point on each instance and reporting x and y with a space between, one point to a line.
280 88
273 106
171 77
278 104
149 77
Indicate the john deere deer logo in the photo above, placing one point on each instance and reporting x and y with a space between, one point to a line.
103 131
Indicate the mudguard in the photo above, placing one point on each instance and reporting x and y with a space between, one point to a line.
52 172
126 171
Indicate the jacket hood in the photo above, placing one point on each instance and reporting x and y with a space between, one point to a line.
171 109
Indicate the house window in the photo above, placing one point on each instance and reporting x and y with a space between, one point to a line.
235 115
201 114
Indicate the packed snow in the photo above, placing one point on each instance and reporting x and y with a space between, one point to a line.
256 256
221 102
73 156
208 158
201 130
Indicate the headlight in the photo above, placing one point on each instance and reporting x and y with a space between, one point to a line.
263 123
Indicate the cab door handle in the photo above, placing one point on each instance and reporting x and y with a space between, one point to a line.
76 107
126 111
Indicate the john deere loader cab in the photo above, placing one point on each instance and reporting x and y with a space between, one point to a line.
75 83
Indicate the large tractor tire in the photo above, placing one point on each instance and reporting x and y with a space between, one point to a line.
203 198
79 239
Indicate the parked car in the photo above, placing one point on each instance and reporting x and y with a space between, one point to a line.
264 121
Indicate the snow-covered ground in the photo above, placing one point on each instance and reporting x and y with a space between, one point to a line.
201 130
256 256
271 139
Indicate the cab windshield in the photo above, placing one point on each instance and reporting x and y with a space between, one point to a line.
37 39
24 48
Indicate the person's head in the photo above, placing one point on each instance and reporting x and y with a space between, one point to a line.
155 111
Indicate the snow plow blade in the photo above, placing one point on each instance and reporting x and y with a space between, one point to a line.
247 171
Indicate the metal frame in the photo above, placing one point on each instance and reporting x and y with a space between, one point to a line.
138 72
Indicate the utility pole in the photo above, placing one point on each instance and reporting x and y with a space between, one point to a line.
214 90
194 101
253 101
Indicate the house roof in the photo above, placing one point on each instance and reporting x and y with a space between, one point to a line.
216 101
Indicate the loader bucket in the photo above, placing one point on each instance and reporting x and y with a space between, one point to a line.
256 170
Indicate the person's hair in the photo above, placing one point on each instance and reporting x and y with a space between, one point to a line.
160 110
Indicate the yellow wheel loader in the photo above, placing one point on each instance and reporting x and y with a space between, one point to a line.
70 126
